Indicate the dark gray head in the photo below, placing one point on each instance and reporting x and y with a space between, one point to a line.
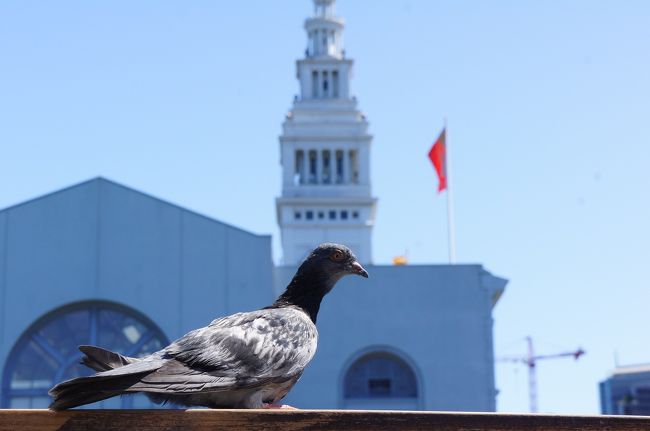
317 275
333 260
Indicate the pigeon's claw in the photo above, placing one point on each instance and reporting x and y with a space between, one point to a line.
277 406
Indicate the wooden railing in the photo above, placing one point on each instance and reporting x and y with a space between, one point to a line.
293 420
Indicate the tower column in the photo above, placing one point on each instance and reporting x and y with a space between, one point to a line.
345 85
364 165
289 174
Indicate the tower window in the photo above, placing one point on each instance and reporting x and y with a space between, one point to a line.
321 215
339 166
299 175
327 178
335 84
314 84
309 215
354 166
332 215
325 84
355 214
297 215
312 167
344 215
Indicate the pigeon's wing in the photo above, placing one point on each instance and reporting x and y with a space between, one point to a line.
245 350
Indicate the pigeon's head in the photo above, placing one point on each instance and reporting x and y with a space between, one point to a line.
317 275
333 261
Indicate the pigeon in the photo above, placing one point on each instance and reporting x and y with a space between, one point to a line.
245 360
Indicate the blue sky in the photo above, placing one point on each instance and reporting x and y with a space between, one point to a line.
547 105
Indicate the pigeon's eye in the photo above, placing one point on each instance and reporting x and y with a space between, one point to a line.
337 256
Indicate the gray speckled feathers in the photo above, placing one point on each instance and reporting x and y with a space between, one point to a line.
240 352
264 344
245 360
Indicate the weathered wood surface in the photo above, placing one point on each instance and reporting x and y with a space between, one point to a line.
39 420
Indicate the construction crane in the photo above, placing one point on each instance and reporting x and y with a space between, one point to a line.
531 362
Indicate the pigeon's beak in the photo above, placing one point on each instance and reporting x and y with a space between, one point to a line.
356 268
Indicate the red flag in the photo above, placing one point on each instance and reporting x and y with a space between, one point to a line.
439 159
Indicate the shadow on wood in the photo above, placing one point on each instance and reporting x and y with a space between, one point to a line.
40 420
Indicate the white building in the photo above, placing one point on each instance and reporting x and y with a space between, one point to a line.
325 151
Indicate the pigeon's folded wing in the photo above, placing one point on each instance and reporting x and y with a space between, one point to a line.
245 350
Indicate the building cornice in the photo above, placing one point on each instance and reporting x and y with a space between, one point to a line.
325 139
326 200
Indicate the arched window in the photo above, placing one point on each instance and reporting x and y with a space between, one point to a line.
47 352
380 380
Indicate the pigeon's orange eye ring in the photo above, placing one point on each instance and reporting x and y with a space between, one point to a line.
337 256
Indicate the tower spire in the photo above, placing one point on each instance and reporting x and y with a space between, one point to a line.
324 8
324 31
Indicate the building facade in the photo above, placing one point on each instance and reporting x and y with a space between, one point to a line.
414 337
100 263
626 391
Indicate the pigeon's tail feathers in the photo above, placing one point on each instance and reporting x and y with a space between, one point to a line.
103 360
86 390
73 399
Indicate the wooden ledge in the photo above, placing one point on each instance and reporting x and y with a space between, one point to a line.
293 420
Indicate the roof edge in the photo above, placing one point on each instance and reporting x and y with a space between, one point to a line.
101 179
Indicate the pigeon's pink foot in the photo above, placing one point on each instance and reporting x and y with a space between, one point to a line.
277 406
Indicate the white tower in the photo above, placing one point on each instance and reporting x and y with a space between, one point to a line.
325 151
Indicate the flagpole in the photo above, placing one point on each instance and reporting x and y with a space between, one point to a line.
450 206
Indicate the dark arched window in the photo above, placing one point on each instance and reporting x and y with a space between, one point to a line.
380 379
47 352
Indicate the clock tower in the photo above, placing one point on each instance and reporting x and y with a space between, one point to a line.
325 151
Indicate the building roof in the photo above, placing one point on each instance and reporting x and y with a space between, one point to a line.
111 183
631 369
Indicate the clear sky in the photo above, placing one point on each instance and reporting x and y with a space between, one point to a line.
548 105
